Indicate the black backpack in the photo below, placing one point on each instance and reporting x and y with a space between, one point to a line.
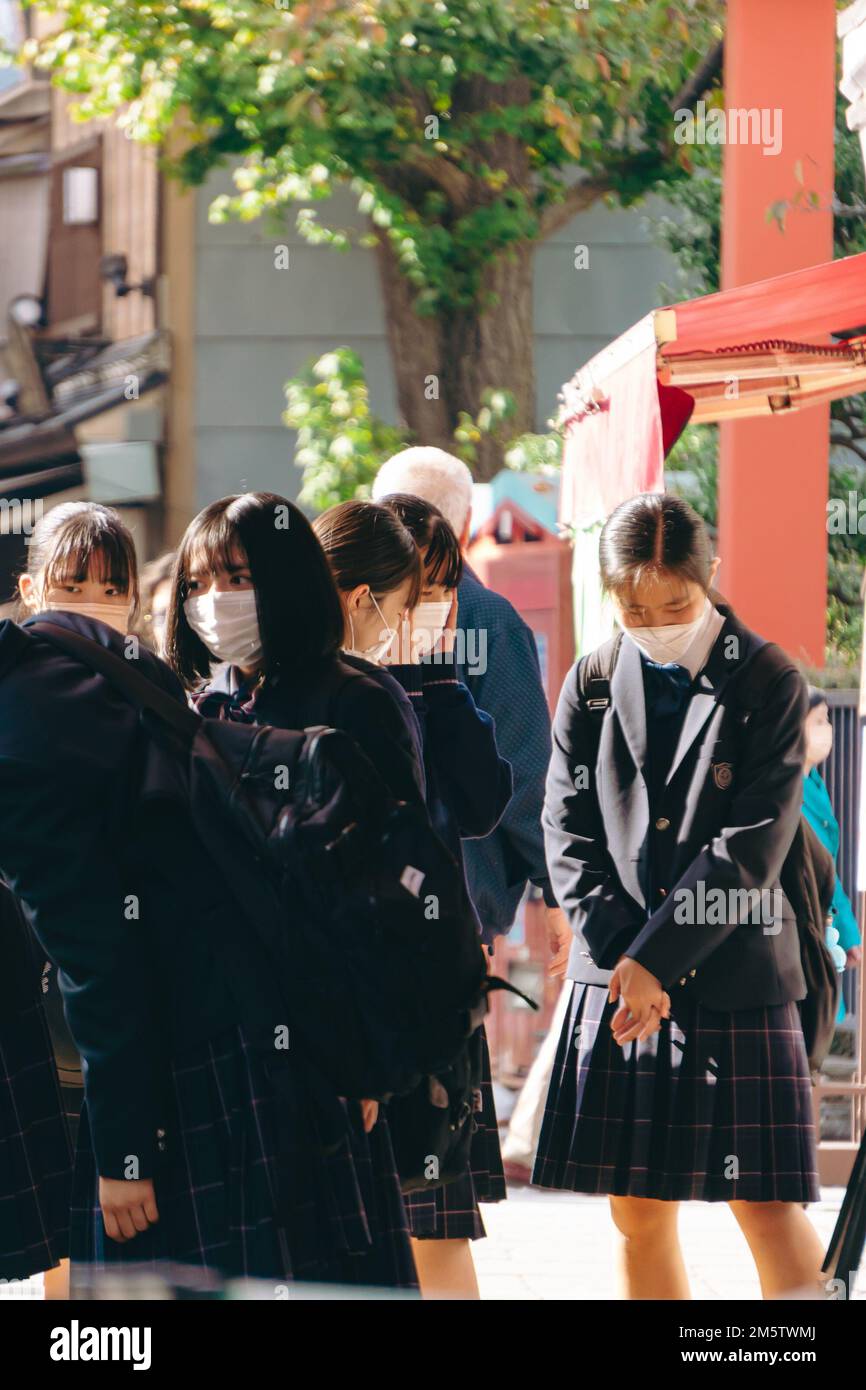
360 908
798 875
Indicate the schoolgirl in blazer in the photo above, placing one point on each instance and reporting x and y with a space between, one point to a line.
467 782
468 786
672 799
35 1152
254 597
722 820
176 1149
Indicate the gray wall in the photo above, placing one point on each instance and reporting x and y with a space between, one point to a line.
256 326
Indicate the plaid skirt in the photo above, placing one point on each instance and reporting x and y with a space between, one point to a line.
222 1214
451 1212
35 1152
715 1107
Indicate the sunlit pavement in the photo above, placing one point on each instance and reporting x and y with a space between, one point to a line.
559 1245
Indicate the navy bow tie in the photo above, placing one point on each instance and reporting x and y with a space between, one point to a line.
667 686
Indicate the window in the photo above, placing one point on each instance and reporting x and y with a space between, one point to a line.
80 196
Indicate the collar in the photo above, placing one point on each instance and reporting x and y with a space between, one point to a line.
695 658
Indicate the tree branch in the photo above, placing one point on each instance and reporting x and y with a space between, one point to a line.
454 182
702 78
579 197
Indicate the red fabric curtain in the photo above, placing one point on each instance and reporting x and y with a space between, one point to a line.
614 445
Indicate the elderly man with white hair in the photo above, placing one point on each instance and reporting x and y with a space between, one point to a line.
504 677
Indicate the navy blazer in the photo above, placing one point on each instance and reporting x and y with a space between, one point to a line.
372 708
723 819
118 888
468 783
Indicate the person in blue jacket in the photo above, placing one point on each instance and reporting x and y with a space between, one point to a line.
818 810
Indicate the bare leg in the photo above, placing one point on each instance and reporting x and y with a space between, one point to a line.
56 1281
445 1268
784 1245
650 1260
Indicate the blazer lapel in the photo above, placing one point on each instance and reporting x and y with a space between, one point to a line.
627 698
626 799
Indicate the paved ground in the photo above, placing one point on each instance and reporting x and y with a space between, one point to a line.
558 1245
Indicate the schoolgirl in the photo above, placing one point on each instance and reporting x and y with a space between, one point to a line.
254 597
468 787
176 1163
675 785
35 1152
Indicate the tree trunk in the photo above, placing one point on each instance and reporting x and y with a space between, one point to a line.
444 365
417 353
495 349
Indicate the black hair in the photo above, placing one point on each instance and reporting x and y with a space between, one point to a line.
79 540
299 610
434 536
366 543
651 536
816 697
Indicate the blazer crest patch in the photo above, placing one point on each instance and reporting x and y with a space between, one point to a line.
723 775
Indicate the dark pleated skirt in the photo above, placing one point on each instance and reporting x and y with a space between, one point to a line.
451 1212
222 1214
35 1152
715 1107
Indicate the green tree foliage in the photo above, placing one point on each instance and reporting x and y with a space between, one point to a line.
341 444
459 127
381 93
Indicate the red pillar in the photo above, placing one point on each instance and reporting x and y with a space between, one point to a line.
780 55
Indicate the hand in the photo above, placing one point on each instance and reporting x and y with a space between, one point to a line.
369 1114
559 939
445 645
644 1002
127 1207
626 1028
853 957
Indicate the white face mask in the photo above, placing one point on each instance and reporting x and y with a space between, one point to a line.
671 643
428 624
109 613
228 625
377 650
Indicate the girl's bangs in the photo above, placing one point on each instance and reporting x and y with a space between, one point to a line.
84 551
443 563
623 585
213 545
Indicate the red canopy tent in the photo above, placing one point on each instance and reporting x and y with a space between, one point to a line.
756 350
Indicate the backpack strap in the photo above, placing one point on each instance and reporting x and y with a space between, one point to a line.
143 693
594 673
